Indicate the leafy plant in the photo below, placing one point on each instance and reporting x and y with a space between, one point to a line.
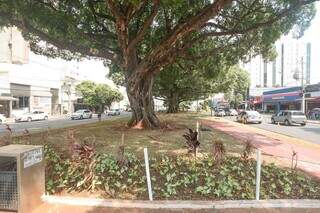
26 137
192 142
175 178
219 151
247 151
6 139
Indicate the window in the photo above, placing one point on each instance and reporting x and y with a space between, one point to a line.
23 101
297 113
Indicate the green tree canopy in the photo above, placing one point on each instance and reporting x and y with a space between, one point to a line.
142 37
185 81
237 90
98 95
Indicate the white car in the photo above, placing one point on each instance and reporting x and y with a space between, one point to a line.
233 112
81 114
32 116
220 113
113 112
249 117
3 119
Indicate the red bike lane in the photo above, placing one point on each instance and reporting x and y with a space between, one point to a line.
272 144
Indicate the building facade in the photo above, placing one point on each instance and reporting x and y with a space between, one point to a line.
30 82
25 84
291 66
290 98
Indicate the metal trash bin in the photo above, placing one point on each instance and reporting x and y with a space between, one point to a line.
22 177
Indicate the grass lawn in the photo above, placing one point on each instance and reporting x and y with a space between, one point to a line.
174 175
106 136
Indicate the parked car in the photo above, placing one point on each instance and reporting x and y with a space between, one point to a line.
289 117
233 112
81 114
220 113
32 116
249 117
3 119
113 112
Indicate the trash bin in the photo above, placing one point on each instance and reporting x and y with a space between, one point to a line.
22 177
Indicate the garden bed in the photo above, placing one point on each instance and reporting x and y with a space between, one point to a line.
174 178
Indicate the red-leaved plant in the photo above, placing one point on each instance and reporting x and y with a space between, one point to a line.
192 143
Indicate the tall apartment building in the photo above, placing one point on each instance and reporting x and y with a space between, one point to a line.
293 58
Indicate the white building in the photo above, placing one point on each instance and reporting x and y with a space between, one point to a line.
293 56
30 82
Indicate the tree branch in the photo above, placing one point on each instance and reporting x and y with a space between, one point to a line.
183 29
63 45
141 33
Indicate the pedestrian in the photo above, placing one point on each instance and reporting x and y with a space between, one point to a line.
99 116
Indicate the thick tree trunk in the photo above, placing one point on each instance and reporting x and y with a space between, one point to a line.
139 91
173 103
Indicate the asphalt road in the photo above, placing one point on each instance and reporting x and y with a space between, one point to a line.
35 126
310 132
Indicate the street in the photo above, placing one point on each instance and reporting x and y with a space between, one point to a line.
54 123
310 132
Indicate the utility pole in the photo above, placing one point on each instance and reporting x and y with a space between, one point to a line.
303 101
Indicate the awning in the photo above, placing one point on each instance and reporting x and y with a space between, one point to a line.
7 98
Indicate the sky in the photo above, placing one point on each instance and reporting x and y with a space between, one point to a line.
312 34
94 69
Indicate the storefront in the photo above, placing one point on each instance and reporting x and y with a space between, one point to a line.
282 99
6 105
256 103
312 96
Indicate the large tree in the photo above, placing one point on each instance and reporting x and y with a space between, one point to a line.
141 37
185 81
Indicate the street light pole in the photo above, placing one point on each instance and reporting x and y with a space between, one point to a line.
303 101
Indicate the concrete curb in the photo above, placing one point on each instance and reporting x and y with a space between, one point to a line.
179 204
313 122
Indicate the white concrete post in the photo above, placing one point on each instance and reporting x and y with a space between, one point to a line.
258 174
146 161
198 128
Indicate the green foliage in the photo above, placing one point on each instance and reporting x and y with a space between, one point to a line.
239 82
190 82
98 95
177 178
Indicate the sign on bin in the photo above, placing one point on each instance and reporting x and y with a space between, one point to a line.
32 157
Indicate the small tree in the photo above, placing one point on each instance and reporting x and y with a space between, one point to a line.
98 95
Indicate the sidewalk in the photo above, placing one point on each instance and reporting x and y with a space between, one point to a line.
313 122
57 204
273 144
